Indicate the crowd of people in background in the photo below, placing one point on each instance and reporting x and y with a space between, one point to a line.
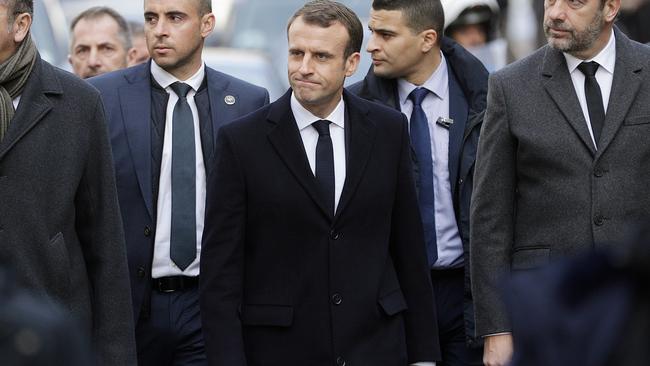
468 202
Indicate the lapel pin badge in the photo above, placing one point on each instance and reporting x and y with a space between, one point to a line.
229 99
445 122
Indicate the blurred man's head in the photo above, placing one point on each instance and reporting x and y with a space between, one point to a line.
100 42
324 42
580 28
15 21
139 52
175 31
471 23
405 40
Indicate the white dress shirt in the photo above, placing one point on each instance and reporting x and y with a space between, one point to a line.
15 102
436 104
606 58
162 265
309 135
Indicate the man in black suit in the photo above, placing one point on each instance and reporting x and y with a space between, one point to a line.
313 252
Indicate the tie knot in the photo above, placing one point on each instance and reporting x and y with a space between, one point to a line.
418 95
181 89
589 68
322 126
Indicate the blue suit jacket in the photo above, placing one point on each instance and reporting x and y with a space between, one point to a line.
467 102
127 99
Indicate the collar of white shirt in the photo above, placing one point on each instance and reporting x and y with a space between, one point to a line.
305 118
165 79
435 84
606 58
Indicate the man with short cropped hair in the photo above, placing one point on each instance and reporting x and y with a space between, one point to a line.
164 117
441 88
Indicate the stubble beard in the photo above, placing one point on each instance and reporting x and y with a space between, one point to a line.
579 41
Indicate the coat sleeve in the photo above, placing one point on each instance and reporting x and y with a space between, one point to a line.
492 213
222 258
99 227
410 260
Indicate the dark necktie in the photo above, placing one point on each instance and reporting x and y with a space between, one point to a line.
325 162
594 98
421 142
183 225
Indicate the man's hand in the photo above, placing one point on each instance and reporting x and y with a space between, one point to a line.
497 350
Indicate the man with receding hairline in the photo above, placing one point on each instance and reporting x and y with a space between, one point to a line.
164 117
314 252
99 42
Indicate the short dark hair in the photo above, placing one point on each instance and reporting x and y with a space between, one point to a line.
100 11
326 12
205 6
16 7
420 15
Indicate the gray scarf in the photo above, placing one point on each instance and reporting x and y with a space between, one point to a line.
14 73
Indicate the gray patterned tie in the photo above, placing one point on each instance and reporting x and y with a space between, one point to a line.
183 226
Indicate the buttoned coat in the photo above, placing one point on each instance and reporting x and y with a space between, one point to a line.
60 224
542 190
287 282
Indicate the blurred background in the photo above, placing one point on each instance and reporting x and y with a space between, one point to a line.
249 41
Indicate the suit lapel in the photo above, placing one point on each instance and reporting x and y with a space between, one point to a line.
33 105
458 110
135 99
286 140
224 103
558 84
362 136
625 84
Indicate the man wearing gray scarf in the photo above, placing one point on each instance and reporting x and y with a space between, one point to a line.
60 227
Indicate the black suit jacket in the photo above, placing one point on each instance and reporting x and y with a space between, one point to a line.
284 282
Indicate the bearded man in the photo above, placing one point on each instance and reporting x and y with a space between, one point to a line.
563 162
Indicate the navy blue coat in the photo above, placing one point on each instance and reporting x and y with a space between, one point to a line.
468 93
127 99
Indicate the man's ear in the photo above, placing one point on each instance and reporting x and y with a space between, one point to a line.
207 24
21 26
429 39
130 56
352 63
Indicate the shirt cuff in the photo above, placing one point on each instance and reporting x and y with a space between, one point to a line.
496 334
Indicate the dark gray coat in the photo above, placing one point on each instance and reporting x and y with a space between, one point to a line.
60 225
541 189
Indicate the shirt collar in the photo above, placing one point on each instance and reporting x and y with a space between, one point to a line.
165 79
305 118
606 58
438 83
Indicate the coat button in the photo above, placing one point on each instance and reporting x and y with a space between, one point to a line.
334 235
599 172
460 181
147 231
337 299
141 272
340 361
599 220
